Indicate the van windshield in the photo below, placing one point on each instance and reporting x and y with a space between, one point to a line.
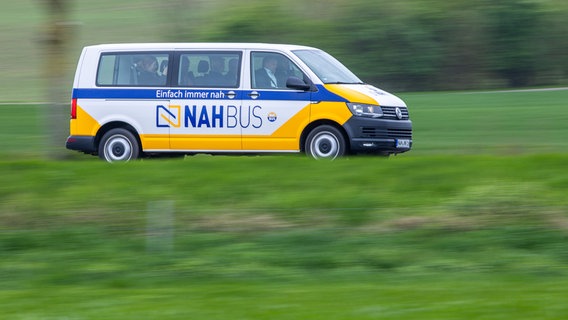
327 68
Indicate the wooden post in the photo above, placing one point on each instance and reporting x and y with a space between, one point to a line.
55 46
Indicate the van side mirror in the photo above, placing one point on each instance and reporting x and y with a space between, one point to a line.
297 83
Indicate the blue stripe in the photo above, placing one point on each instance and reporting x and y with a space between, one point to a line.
154 94
276 95
324 95
114 94
186 94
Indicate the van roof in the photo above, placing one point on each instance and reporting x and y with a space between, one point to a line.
197 45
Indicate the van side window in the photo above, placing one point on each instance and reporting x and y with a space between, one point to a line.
271 70
133 69
209 69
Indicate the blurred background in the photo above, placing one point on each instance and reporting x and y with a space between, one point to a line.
470 224
407 45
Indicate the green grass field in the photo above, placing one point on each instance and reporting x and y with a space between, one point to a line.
427 237
471 224
492 122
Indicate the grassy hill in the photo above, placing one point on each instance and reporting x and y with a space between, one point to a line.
470 224
430 237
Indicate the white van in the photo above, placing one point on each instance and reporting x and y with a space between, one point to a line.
131 100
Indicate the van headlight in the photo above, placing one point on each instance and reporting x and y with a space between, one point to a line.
365 110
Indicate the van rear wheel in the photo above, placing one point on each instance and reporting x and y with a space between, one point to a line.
325 142
119 145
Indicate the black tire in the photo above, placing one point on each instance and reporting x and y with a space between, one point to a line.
325 142
119 145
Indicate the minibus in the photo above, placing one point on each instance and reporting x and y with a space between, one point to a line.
137 100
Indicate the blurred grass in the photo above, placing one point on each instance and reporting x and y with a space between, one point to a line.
296 274
472 223
285 237
285 184
514 122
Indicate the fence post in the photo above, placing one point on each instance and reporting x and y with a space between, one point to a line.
57 42
160 226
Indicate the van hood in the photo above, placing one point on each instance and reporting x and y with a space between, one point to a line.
365 93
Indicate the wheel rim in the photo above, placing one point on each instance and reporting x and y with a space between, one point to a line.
325 145
118 148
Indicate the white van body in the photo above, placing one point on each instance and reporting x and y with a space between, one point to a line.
131 100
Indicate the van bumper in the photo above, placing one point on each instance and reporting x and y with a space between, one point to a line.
84 144
383 136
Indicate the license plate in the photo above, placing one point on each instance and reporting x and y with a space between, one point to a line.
402 143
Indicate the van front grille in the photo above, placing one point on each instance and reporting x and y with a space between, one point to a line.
390 112
372 132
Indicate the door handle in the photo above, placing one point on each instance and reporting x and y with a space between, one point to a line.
254 95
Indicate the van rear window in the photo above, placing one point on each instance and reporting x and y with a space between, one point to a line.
133 69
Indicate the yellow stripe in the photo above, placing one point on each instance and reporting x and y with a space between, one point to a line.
294 126
335 111
269 143
155 141
84 124
205 142
287 137
350 94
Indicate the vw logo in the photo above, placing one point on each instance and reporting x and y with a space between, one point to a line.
398 113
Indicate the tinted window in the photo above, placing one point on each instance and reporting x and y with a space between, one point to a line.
133 69
209 69
271 70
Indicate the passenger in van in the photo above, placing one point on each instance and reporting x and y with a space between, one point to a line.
266 76
202 69
186 77
148 73
164 68
215 76
231 75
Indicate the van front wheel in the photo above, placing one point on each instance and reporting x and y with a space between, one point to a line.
119 145
325 142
